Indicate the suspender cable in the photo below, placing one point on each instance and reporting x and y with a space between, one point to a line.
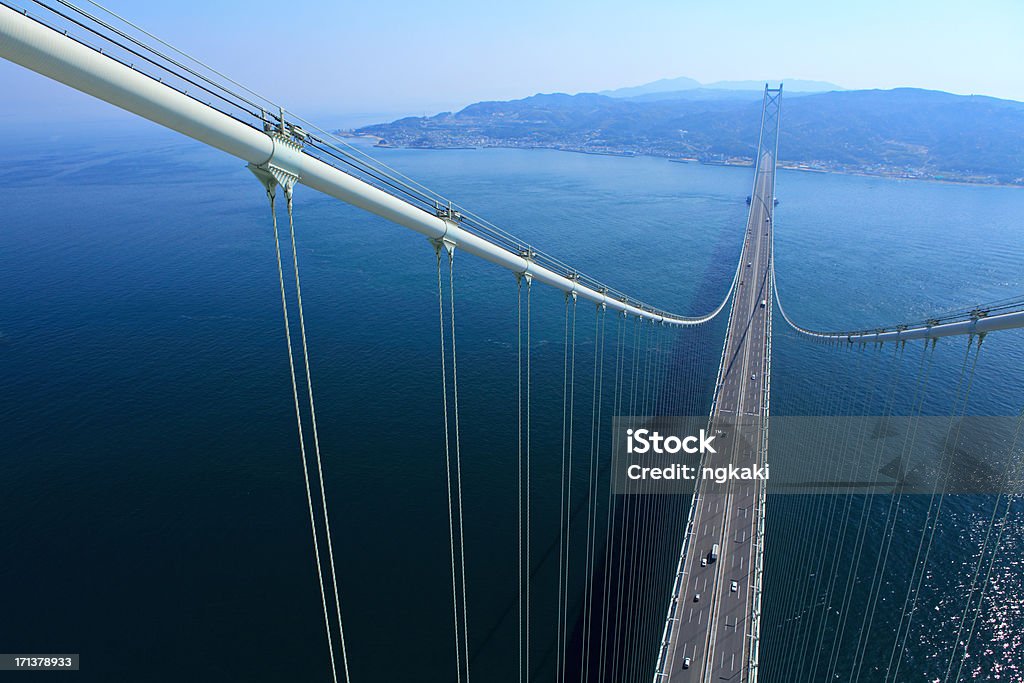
316 435
448 466
271 187
528 566
519 488
567 441
951 446
638 507
592 489
892 514
629 505
853 434
825 564
608 547
914 583
655 560
639 517
562 588
1006 478
867 508
458 460
1012 466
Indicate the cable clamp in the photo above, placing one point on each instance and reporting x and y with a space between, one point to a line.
443 242
281 168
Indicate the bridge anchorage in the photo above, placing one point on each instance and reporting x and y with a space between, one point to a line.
704 555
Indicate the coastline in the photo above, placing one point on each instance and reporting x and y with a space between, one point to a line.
733 163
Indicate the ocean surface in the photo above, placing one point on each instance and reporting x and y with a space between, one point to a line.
152 507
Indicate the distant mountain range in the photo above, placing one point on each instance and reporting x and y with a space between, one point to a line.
903 132
675 86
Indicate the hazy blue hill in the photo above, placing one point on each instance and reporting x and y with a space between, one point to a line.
925 129
792 85
662 85
904 132
699 94
676 85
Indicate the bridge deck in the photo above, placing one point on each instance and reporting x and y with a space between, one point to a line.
714 632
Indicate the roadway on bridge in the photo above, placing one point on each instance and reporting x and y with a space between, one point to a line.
714 631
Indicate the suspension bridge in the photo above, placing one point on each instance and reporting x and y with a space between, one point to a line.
702 555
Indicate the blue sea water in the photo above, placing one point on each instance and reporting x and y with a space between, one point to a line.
152 508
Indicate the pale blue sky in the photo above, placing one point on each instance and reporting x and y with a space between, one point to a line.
331 59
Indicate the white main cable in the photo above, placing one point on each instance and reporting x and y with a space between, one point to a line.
42 47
